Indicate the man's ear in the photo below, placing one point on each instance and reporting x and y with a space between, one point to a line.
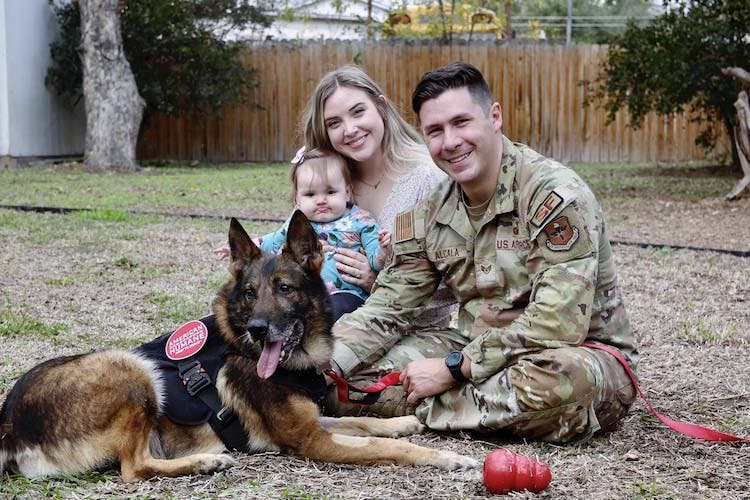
496 116
302 243
241 247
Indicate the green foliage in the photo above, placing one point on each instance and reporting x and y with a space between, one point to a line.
178 50
674 65
447 20
203 189
287 14
642 489
66 73
126 263
444 20
584 30
20 325
624 184
104 215
18 486
61 281
177 309
701 333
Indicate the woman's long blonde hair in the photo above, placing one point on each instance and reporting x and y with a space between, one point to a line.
402 145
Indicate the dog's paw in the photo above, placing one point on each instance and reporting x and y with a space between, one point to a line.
453 461
215 463
405 426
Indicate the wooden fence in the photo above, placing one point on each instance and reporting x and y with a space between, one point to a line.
540 88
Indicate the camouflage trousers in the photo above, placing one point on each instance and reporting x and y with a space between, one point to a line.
557 395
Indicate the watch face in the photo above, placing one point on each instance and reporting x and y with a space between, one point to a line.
453 358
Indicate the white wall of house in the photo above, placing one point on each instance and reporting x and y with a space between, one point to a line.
317 29
34 122
322 20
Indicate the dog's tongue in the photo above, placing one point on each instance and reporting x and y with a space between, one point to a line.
269 359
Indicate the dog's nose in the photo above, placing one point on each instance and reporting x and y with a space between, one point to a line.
257 326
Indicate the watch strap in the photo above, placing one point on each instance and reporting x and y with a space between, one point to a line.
455 369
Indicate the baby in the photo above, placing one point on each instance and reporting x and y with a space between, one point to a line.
322 190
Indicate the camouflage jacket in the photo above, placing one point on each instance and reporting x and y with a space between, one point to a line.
538 274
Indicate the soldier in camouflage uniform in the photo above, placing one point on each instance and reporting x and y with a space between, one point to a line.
521 242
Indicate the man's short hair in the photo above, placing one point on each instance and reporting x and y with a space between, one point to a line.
452 76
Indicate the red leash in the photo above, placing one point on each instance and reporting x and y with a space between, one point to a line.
688 429
366 396
370 395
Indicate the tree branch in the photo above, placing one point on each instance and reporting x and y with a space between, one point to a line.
738 73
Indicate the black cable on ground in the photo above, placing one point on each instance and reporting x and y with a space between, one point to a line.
61 210
736 253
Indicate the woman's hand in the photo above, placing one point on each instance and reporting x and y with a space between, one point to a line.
354 268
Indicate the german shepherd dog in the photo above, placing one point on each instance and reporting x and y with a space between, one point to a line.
92 411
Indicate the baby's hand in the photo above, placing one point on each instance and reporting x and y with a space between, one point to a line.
222 252
384 240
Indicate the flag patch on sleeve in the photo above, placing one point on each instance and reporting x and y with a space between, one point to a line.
550 203
403 227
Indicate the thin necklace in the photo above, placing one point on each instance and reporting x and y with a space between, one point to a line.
373 186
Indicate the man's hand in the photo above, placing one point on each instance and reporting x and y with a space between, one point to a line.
426 377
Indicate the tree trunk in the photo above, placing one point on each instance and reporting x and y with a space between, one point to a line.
114 108
741 133
369 19
508 31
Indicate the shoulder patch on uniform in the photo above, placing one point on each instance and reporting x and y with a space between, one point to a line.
550 203
564 238
561 236
403 227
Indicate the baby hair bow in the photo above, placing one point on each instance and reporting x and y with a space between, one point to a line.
300 156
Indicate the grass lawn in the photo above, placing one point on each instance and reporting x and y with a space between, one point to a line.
266 187
214 189
132 267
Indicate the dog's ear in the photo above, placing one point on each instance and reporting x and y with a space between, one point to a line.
302 243
242 248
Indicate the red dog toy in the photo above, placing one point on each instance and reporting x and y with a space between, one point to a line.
505 471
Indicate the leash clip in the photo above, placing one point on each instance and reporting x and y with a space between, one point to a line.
347 393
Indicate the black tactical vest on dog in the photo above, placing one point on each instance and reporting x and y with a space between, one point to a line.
182 408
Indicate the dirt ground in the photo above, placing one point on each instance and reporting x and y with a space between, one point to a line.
690 311
707 223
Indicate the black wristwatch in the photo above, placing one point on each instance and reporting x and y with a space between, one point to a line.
453 361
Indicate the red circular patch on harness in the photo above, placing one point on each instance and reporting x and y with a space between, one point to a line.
186 340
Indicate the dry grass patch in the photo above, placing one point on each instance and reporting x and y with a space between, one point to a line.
115 282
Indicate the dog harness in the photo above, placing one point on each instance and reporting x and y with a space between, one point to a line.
190 383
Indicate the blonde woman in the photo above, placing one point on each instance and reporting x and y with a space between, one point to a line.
391 171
